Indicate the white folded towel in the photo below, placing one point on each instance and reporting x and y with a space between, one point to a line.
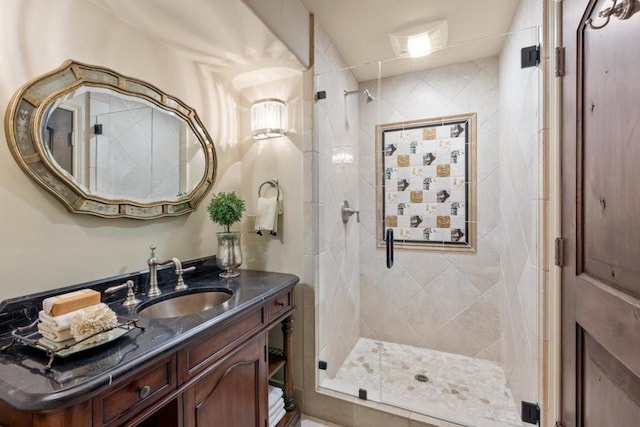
52 334
267 214
275 406
62 322
274 394
276 419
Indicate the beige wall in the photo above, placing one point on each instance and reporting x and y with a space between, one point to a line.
45 247
276 158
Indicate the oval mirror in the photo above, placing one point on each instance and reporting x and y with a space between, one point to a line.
109 145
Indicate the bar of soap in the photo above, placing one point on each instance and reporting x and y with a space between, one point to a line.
72 301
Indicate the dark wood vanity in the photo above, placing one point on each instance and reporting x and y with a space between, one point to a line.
216 376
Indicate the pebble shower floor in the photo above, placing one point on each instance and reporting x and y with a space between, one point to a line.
461 389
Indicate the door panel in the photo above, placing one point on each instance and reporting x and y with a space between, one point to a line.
233 393
611 390
600 201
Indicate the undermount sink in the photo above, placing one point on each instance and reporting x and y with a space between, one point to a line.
183 304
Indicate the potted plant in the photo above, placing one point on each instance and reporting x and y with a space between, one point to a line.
226 209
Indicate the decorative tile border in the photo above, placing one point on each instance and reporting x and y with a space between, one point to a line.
426 181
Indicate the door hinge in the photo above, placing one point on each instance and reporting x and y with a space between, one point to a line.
559 61
559 252
530 56
530 413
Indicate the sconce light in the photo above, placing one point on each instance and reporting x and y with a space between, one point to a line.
342 155
268 118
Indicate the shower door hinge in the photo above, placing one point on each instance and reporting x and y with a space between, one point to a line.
530 413
530 56
559 252
559 61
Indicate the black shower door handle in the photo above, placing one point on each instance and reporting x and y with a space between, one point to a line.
389 239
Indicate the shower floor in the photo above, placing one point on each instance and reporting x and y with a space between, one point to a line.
461 389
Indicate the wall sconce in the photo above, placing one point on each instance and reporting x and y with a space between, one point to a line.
269 118
342 155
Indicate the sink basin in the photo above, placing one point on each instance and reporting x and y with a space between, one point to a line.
194 301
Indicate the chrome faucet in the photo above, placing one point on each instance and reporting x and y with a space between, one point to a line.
153 264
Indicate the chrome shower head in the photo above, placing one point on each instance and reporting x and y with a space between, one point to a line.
366 92
370 97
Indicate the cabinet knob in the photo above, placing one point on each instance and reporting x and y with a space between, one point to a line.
279 303
143 392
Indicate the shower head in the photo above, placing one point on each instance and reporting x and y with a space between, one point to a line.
366 93
370 97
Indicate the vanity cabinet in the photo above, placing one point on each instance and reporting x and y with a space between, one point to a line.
218 377
234 389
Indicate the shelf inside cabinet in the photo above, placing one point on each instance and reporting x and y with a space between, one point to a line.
291 418
275 363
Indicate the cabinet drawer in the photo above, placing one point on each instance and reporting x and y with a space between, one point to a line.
279 304
145 388
212 345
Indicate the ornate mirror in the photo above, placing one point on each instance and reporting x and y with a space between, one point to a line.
109 145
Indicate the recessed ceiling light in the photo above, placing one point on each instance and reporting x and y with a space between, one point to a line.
420 40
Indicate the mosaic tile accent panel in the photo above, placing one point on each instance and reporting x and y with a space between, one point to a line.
425 168
452 387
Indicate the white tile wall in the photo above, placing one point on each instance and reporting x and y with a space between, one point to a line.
438 300
336 125
520 194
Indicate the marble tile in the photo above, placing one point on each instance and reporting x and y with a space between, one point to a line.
482 269
470 331
458 388
452 79
308 421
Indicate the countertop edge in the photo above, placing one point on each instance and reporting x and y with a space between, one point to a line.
32 402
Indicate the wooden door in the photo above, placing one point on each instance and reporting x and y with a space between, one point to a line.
59 136
601 217
234 391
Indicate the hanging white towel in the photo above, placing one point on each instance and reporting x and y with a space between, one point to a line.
267 214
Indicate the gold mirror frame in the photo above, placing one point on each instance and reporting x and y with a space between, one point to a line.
24 124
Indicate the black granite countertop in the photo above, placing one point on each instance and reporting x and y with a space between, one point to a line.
27 385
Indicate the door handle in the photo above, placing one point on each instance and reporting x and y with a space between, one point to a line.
389 239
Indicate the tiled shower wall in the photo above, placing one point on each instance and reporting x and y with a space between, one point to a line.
439 300
521 204
121 162
336 118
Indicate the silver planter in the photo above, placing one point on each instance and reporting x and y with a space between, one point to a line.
229 256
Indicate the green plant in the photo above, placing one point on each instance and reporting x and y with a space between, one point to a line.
225 209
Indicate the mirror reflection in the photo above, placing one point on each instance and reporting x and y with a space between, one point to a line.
109 145
120 147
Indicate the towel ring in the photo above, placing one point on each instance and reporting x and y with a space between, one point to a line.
273 183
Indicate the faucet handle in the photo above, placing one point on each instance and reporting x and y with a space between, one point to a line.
152 258
131 296
180 285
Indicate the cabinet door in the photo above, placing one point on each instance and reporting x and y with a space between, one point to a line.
233 392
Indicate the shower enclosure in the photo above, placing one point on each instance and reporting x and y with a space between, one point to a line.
448 334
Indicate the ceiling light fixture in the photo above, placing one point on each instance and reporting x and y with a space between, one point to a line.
420 40
269 118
